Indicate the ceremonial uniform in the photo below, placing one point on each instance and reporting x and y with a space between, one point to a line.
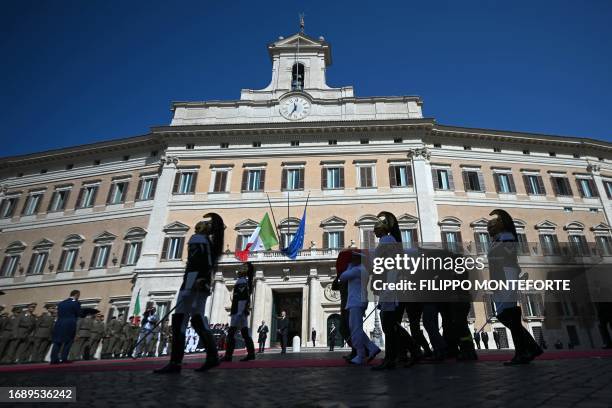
145 334
97 332
241 299
42 337
83 334
164 334
19 347
111 338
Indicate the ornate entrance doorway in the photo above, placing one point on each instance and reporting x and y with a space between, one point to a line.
290 302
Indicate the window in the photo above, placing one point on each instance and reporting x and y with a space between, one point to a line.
146 188
409 237
37 263
473 180
578 245
452 240
504 183
333 239
552 154
400 175
561 186
220 185
587 188
534 184
59 199
366 176
253 180
286 238
533 305
523 246
184 183
332 142
442 179
332 178
242 241
173 248
576 156
297 77
482 241
7 209
96 162
43 171
604 244
99 259
126 158
131 253
69 166
293 179
295 143
68 259
437 145
526 152
550 244
117 192
9 265
87 196
32 203
608 187
256 144
368 239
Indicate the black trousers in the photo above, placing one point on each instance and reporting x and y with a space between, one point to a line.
414 310
262 345
230 341
524 343
178 338
283 341
398 340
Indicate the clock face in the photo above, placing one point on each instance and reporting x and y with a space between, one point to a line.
295 108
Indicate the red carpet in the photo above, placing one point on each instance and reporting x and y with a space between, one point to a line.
268 361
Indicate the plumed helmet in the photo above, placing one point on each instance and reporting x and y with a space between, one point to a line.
506 221
216 232
390 222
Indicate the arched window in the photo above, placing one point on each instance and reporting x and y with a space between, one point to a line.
297 77
548 238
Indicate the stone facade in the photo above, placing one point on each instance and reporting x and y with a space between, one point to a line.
349 157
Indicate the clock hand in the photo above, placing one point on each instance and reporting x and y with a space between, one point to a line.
294 107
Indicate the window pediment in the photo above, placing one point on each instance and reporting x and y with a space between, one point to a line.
546 225
333 221
73 240
15 247
135 233
43 244
104 237
176 227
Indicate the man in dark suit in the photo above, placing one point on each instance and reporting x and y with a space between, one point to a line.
485 339
331 338
283 331
68 312
263 335
313 336
477 338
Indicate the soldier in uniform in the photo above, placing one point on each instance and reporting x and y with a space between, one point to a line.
111 336
164 333
152 345
121 338
5 332
97 332
20 337
42 335
134 332
81 341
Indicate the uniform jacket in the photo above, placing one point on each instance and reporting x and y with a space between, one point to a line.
68 312
84 326
200 260
283 325
44 326
97 329
7 329
240 292
263 332
26 322
356 291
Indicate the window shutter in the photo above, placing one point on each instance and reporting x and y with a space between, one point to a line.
608 188
466 181
192 187
74 260
262 180
95 194
477 242
323 178
93 257
126 248
164 253
511 183
593 188
31 264
245 179
481 183
496 182
180 247
527 185
138 190
451 183
443 236
434 178
555 187
79 203
541 185
568 187
125 192
459 236
110 193
341 240
409 176
301 181
284 180
177 180
66 198
4 266
392 178
341 177
325 240
238 242
51 200
25 205
153 187
60 265
106 255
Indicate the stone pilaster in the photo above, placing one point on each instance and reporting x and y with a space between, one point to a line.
218 313
429 230
603 194
314 305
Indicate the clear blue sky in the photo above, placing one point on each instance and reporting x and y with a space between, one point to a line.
75 72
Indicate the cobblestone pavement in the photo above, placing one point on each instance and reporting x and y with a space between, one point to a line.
583 382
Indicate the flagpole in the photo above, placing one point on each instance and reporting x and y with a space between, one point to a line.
287 218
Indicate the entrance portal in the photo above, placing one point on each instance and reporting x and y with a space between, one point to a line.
290 302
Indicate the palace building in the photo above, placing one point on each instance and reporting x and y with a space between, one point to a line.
112 219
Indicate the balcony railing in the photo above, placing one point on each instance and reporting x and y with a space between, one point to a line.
318 253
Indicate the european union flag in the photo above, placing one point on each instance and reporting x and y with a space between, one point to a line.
297 243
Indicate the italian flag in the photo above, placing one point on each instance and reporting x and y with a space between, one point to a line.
262 238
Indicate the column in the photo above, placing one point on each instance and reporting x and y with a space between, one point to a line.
217 313
425 195
259 303
603 193
314 304
151 246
